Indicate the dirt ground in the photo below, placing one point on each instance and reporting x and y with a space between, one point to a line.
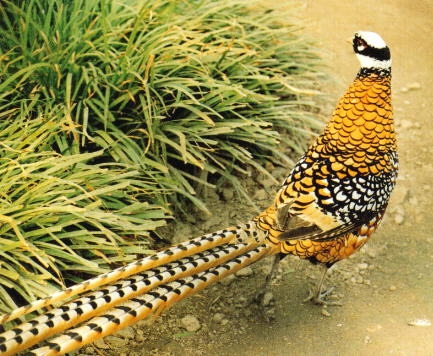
386 288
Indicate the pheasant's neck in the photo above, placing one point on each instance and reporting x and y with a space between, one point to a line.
380 72
362 120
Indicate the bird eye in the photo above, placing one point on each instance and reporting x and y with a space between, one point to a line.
360 44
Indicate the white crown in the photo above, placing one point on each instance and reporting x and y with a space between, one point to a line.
372 39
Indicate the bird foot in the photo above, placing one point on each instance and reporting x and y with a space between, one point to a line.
318 297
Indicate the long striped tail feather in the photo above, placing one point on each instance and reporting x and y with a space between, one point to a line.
181 250
145 305
109 296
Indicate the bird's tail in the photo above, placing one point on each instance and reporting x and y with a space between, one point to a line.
134 292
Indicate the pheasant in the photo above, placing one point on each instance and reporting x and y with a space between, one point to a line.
326 209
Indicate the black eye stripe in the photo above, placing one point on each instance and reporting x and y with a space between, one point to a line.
381 54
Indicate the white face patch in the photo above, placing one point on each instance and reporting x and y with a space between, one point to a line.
372 39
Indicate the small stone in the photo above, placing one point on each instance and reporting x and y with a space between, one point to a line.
367 339
357 280
218 317
398 219
115 341
374 328
126 333
227 280
371 252
139 338
190 323
143 324
414 86
224 322
325 312
241 302
228 194
268 299
245 272
419 322
392 288
362 265
101 344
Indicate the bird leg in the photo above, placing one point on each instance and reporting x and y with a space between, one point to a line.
317 295
259 297
264 298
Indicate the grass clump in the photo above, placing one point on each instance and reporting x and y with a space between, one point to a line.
61 217
115 114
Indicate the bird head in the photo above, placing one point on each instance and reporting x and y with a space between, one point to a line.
371 50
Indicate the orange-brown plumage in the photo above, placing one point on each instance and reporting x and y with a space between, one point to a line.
326 209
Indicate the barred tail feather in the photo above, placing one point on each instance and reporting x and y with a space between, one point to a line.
97 302
181 250
151 303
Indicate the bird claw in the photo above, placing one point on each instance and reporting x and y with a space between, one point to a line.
318 297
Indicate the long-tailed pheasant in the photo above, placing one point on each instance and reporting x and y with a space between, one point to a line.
327 208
